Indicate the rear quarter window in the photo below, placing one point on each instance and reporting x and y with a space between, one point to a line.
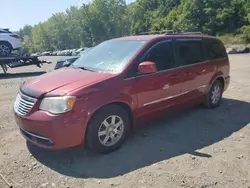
214 49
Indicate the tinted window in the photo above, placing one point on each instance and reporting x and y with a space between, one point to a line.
214 49
189 51
162 55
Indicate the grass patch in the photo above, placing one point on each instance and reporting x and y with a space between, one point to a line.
233 41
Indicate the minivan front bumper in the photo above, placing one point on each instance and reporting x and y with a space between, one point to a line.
50 131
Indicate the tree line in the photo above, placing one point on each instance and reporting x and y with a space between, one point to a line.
99 20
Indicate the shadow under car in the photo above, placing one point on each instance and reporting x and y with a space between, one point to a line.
181 134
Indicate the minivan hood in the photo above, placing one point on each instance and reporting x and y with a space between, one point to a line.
62 81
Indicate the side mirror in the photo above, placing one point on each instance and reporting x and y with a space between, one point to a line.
147 67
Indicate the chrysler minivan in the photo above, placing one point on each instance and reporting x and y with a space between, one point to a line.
103 95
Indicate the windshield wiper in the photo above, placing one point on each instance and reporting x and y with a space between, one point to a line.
83 68
72 65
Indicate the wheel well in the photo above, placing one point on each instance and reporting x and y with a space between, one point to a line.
221 79
121 104
6 42
128 110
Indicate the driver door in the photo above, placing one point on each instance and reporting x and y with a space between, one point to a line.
157 91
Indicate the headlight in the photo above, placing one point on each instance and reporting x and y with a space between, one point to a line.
57 105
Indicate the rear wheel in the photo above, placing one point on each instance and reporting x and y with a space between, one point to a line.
108 129
214 96
5 49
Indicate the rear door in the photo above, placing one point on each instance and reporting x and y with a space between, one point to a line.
190 58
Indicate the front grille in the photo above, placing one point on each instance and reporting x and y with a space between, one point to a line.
23 104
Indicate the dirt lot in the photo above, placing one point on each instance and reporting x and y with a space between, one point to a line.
198 148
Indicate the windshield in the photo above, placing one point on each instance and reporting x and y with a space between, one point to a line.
110 56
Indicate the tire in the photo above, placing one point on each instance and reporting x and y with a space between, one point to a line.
5 49
99 134
214 96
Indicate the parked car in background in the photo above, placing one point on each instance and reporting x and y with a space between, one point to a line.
119 84
67 61
77 51
64 53
9 41
47 53
240 50
54 53
59 53
34 54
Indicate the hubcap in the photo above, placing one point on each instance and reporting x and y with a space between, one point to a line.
4 50
111 130
216 94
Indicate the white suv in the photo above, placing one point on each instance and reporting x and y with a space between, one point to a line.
8 41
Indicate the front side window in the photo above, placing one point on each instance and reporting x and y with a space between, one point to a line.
110 56
162 55
189 52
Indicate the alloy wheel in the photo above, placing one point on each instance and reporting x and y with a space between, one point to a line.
111 130
215 94
4 50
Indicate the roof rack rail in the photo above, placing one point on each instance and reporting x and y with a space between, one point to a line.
184 33
196 33
156 32
170 32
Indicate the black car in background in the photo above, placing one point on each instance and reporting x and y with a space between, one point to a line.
67 61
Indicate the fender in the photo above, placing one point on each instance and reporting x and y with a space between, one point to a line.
216 76
92 101
6 42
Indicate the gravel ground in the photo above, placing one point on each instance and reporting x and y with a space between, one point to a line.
198 148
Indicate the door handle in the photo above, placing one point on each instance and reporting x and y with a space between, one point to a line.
174 76
202 71
188 73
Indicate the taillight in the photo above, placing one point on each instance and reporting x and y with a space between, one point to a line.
15 36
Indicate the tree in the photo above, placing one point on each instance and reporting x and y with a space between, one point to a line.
100 20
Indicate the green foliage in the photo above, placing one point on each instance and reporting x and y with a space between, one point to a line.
232 40
25 31
101 20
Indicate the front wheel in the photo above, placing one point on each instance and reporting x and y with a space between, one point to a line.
214 96
108 129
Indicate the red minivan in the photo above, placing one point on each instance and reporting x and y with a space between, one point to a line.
105 93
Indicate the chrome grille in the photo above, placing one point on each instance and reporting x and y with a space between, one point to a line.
23 104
